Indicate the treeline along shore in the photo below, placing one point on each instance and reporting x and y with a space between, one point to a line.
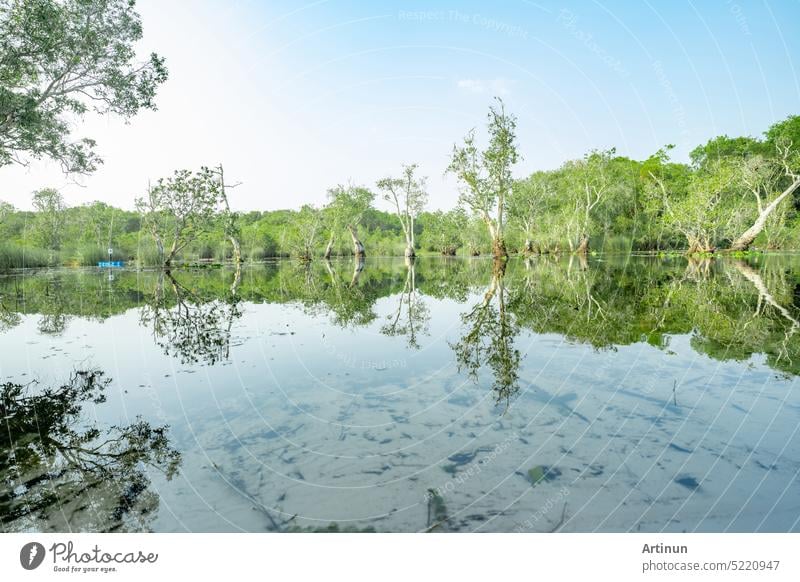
734 194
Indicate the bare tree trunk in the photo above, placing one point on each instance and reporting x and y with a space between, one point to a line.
172 252
583 245
237 249
410 254
747 237
230 218
329 249
358 248
499 248
699 245
498 244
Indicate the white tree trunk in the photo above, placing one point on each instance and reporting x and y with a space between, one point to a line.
358 248
746 239
237 250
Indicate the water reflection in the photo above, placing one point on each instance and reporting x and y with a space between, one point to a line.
733 309
488 338
62 473
191 325
623 392
411 317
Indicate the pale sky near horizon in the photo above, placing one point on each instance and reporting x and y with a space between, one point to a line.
295 97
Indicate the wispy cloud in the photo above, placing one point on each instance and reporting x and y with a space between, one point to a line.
499 86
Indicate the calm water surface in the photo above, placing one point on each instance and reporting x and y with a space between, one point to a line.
615 394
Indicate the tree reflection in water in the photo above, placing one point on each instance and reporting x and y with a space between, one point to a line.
730 309
488 339
411 317
188 325
60 473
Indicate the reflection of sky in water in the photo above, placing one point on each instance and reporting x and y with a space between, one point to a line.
310 423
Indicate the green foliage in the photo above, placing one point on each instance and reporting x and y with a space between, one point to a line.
623 205
442 231
60 59
61 470
347 206
485 176
16 257
724 147
48 229
305 231
178 209
541 473
408 196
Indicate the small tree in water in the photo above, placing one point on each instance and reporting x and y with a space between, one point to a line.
304 232
179 208
409 197
345 209
485 176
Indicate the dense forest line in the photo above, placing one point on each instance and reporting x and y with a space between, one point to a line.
735 193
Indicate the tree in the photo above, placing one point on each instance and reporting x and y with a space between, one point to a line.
724 147
527 202
706 215
345 209
485 176
305 230
179 208
771 179
470 232
60 59
443 230
699 204
49 204
590 181
230 222
6 210
97 223
335 216
409 197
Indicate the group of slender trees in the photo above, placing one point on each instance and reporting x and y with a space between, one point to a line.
733 191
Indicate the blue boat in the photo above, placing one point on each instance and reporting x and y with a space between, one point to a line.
111 264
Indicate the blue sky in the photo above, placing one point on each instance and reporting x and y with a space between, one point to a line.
295 97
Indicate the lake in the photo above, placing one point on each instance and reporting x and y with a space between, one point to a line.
614 393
